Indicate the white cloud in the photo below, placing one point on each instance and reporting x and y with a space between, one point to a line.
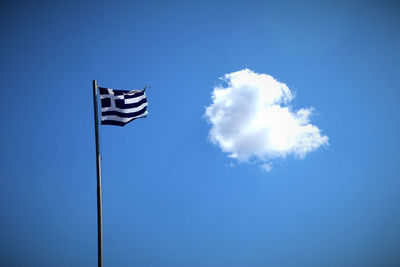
267 167
251 118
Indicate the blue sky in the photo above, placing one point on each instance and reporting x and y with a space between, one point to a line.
170 196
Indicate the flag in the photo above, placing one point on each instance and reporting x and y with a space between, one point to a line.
118 107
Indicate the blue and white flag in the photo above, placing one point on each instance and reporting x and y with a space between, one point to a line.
118 107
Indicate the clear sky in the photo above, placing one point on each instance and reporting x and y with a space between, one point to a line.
170 196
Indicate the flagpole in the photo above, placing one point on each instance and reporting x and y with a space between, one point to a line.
98 169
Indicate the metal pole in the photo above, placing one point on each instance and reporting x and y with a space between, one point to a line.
98 169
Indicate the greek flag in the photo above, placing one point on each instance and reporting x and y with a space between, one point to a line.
118 107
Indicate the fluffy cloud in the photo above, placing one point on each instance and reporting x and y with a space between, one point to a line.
251 118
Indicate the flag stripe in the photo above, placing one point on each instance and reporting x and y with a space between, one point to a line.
126 96
110 122
124 110
123 114
118 118
135 100
134 94
122 104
